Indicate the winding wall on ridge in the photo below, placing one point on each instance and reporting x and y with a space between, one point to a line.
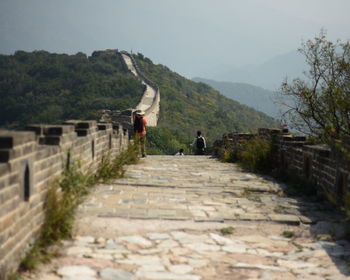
149 103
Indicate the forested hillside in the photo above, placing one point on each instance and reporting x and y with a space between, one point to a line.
42 87
187 106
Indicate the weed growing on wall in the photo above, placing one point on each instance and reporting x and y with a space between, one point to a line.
253 155
63 198
256 155
109 169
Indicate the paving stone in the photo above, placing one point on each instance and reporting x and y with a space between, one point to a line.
99 256
76 271
296 264
158 236
85 239
199 247
79 251
184 237
115 274
221 240
196 263
180 269
236 248
151 268
167 244
254 239
167 276
139 240
287 219
258 266
252 217
141 260
151 251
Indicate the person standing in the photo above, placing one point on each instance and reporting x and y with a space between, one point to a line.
199 145
140 130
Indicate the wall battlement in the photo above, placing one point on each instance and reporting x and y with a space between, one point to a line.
30 161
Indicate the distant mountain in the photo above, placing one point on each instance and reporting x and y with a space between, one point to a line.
256 97
268 75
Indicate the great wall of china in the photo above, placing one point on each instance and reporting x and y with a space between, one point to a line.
31 160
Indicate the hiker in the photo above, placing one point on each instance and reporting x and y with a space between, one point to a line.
140 130
199 144
180 153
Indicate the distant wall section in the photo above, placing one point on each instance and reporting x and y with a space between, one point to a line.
149 103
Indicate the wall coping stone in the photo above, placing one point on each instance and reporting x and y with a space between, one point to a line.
52 130
10 139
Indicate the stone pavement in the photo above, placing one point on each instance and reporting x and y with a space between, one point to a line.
192 218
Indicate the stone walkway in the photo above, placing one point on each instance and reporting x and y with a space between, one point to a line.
194 218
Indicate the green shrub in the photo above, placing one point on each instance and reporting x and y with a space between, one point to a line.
256 155
161 141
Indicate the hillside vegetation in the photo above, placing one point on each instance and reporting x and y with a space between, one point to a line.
42 87
187 106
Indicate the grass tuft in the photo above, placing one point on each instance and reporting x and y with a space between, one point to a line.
288 234
227 230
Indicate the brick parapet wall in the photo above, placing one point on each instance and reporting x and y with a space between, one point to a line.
30 161
325 167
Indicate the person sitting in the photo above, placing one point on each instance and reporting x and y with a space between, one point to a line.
180 153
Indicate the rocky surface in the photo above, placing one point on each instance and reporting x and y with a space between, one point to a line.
192 218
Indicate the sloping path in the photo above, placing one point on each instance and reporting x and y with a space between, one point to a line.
168 217
149 94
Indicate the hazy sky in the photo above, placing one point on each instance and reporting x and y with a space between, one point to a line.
185 35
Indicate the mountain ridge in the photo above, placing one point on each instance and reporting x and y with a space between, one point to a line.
253 96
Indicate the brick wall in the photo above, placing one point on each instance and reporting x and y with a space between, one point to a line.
29 162
325 167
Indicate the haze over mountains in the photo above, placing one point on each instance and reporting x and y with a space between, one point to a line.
256 85
268 75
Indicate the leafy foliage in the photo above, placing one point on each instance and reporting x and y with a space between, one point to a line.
160 140
321 104
256 155
253 155
42 87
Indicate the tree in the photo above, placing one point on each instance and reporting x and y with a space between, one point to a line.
320 106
